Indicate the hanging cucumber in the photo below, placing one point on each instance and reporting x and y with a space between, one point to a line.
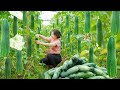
8 68
5 43
24 18
111 57
32 22
91 52
79 45
76 26
115 19
99 33
19 63
15 26
87 21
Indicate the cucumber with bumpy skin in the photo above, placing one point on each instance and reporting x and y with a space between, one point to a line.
8 68
76 26
91 52
96 77
111 57
79 45
83 75
19 63
5 41
115 20
87 21
24 18
99 33
32 22
57 73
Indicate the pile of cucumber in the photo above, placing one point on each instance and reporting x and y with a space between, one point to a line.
77 68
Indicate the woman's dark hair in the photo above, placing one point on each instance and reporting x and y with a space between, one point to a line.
57 33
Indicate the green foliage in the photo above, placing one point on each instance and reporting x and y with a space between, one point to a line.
29 46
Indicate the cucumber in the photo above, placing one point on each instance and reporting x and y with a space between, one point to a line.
32 22
83 75
15 26
5 38
97 77
99 72
70 71
24 18
111 57
99 33
91 52
87 21
90 65
8 68
47 76
57 73
75 69
115 22
79 45
76 26
78 61
68 65
19 63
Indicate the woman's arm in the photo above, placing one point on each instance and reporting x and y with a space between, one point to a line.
43 37
46 44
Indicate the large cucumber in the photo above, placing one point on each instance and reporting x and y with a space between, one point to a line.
5 42
111 57
115 19
29 46
99 33
76 26
67 21
91 59
8 68
32 21
15 26
87 21
19 63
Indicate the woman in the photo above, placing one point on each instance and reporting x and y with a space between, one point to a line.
53 57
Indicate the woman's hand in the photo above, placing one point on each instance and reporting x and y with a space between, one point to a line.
37 35
38 42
